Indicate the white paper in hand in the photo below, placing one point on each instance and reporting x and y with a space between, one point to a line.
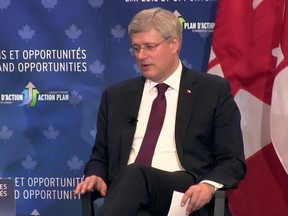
175 207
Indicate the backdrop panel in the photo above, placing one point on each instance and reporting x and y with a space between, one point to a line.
55 59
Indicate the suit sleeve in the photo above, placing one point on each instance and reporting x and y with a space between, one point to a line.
228 142
98 161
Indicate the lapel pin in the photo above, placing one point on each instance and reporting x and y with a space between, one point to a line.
188 91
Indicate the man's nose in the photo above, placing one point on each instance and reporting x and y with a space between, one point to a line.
142 53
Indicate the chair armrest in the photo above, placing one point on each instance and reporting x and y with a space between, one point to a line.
87 200
220 202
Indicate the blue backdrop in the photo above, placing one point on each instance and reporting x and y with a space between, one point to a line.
55 59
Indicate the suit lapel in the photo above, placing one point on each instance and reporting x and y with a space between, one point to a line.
188 92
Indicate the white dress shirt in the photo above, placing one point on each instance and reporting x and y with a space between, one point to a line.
165 155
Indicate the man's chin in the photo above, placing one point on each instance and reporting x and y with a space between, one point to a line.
148 74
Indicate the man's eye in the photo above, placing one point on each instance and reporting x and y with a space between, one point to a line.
136 49
150 46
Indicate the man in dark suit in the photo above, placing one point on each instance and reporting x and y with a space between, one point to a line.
199 148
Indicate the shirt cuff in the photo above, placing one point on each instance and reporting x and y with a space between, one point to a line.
215 184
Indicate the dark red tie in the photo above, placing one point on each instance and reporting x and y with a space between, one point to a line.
154 126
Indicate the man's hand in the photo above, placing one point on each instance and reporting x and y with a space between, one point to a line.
91 183
197 196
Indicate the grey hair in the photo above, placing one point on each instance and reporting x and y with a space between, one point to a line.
163 21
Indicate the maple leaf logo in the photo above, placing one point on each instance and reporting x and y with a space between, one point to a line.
73 33
51 133
26 33
75 98
75 164
204 34
97 68
5 133
96 4
50 4
186 63
4 4
29 164
118 32
93 132
136 68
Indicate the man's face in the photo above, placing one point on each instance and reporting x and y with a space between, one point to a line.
156 56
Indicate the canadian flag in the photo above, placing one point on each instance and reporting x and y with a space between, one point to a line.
250 49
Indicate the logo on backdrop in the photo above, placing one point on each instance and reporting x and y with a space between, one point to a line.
200 27
30 96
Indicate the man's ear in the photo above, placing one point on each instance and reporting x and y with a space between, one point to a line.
175 44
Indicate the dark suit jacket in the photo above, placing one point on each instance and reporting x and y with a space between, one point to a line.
208 135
